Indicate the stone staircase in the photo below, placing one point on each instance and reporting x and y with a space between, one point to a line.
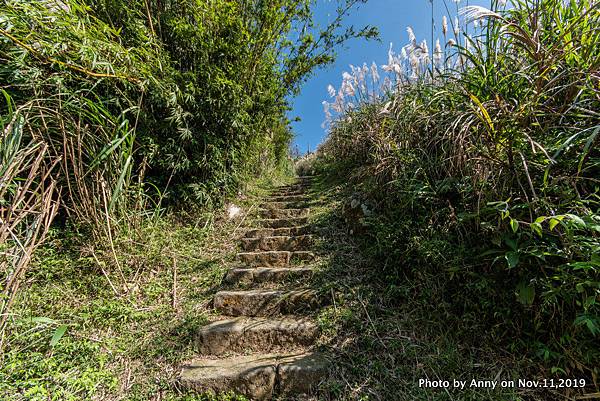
262 346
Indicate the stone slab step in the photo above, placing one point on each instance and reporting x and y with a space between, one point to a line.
284 213
274 258
277 243
295 185
287 198
284 205
267 275
255 334
289 192
279 223
276 232
265 302
258 377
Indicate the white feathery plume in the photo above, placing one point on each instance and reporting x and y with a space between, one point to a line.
411 36
474 13
424 47
424 51
437 54
414 63
390 65
404 54
331 90
374 72
387 83
338 105
444 25
360 74
456 26
347 88
451 42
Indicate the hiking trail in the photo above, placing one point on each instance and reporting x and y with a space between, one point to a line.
263 346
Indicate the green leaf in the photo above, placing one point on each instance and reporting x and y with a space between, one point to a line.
511 242
58 334
589 321
553 222
514 224
578 220
525 293
512 258
536 228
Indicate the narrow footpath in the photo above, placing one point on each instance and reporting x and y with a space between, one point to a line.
263 344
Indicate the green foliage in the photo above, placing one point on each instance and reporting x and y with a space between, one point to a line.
487 177
187 98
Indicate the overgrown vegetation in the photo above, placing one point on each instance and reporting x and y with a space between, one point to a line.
115 110
476 175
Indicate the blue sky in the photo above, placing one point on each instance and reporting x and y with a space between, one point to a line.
391 17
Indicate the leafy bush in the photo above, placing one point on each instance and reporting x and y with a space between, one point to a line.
483 160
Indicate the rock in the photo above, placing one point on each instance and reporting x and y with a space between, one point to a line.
284 205
266 274
253 376
283 222
284 213
265 302
277 243
255 334
274 258
248 303
276 232
266 258
300 374
288 198
259 376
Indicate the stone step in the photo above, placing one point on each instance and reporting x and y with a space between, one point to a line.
284 213
255 334
288 192
277 243
285 205
258 377
279 223
287 198
276 232
296 184
267 275
265 302
274 258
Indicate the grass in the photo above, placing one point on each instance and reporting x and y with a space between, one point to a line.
124 339
387 338
479 181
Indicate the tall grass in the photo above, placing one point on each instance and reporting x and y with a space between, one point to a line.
28 204
485 166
